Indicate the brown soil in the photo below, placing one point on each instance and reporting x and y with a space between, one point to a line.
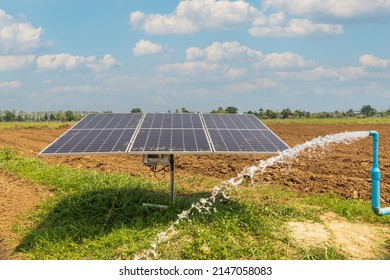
358 241
17 198
341 169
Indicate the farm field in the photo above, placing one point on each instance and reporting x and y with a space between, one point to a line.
340 171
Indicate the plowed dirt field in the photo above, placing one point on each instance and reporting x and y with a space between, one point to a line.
340 169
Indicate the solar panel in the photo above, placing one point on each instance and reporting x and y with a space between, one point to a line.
241 134
171 133
97 133
156 133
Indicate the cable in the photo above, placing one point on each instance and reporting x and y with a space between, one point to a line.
154 169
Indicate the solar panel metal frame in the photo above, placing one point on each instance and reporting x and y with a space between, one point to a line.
137 129
43 153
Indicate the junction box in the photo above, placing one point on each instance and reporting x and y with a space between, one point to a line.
155 159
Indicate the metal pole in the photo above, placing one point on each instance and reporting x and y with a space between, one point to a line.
172 163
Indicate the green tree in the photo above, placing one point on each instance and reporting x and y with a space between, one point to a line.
9 116
261 112
184 110
286 113
368 111
299 113
231 110
69 115
220 110
60 116
271 114
350 113
22 116
136 110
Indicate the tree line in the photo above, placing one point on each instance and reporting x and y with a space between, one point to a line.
365 111
41 116
69 115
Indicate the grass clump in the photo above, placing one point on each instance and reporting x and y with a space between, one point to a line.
8 153
353 210
324 253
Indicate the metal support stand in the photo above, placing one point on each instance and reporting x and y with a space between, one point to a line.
172 165
153 160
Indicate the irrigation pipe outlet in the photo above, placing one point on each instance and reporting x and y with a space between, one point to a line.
375 179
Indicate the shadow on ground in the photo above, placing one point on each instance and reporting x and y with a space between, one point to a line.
77 218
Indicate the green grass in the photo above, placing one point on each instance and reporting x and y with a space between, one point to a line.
324 253
96 215
353 210
354 120
34 125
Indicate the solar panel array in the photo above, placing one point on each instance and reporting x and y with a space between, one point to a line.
166 134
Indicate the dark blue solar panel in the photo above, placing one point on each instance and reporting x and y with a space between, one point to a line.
97 133
171 133
230 121
241 134
91 141
180 121
107 121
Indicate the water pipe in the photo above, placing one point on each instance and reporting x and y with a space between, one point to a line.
375 179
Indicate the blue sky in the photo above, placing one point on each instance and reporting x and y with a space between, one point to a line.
314 55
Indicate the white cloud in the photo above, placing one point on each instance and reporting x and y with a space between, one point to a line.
234 51
18 36
62 61
235 73
325 73
286 60
331 8
373 61
145 47
15 62
201 69
195 15
276 18
279 25
106 63
66 61
10 85
217 52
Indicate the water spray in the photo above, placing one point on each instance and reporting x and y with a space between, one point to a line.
206 205
375 179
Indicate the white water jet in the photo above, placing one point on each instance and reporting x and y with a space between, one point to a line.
205 205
